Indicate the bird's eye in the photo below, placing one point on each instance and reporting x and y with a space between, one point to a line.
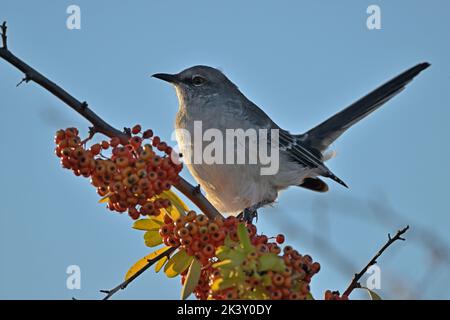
198 81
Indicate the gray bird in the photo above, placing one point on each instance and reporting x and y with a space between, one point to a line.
205 94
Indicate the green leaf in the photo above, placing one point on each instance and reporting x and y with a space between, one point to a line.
221 284
244 237
309 296
178 263
144 261
228 242
372 294
152 238
271 261
192 278
222 252
226 264
147 224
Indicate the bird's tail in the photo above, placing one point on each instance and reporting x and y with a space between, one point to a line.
321 136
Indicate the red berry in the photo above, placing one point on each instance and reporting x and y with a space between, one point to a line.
136 129
280 239
147 134
156 140
105 145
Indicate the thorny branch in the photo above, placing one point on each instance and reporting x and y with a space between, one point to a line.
99 125
123 285
355 282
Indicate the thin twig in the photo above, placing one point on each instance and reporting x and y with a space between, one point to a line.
123 285
4 36
355 282
98 123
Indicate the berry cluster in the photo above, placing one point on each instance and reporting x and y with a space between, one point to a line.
236 262
198 235
334 295
131 177
263 273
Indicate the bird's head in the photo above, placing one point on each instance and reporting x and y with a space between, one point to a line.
198 82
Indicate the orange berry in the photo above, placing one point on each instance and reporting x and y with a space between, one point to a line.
183 232
201 220
136 142
186 241
212 228
208 250
192 228
277 279
276 294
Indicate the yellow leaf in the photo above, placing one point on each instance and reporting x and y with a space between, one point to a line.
372 294
192 278
105 199
144 261
152 238
178 263
160 218
161 264
147 224
173 197
177 207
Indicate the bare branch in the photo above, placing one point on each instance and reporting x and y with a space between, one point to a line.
4 36
123 285
98 123
355 282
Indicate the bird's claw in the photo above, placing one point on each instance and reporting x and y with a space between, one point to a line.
249 214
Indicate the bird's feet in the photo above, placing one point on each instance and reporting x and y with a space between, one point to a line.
197 190
249 214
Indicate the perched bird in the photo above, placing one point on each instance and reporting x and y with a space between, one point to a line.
205 94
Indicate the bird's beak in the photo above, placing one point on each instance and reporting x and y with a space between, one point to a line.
171 78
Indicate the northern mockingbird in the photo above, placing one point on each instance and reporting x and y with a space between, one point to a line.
205 94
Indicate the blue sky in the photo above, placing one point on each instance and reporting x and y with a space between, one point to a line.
301 61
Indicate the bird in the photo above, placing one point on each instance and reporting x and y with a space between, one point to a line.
207 96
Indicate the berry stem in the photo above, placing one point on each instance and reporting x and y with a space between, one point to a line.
99 125
355 282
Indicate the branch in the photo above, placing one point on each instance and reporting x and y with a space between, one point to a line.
4 37
355 282
123 285
99 125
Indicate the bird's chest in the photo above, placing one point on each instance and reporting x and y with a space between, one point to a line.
202 140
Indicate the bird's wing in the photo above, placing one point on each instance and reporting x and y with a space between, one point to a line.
292 145
305 155
321 136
